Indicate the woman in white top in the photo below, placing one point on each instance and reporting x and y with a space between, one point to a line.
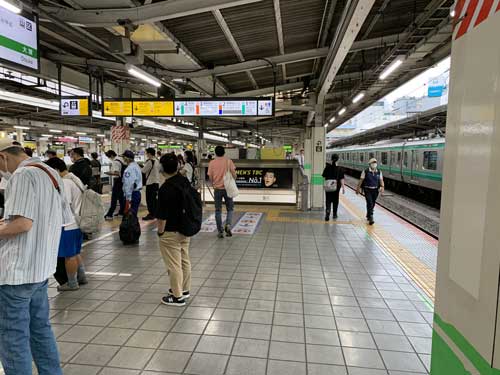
71 236
188 168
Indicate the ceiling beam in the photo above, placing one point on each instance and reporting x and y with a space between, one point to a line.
232 42
279 32
352 20
150 13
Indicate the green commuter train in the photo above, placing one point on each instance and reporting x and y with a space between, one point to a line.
412 164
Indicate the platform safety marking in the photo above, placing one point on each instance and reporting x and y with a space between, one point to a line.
210 225
423 276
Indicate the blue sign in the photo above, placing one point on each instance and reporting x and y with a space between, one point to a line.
435 91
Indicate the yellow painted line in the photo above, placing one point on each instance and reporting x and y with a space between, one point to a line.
423 276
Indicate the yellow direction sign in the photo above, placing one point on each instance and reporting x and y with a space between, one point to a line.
112 108
156 108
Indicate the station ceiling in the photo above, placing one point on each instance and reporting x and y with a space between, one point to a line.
299 49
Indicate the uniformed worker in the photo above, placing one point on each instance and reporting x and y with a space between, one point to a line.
132 183
372 182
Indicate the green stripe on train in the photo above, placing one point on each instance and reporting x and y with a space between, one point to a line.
435 176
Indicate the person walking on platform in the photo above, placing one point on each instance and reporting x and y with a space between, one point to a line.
334 181
71 236
132 183
116 173
151 171
372 182
216 171
35 212
174 246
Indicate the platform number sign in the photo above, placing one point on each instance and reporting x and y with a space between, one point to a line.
75 106
319 146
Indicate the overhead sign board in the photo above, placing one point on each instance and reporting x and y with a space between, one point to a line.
117 108
19 39
224 107
190 107
155 108
75 106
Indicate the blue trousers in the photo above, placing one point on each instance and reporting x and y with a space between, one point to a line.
220 195
25 331
116 197
135 202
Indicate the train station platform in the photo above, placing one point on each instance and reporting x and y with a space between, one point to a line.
295 296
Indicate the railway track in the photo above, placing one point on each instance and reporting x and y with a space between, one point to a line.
422 216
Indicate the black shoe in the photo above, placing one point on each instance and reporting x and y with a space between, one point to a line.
227 229
171 300
220 235
370 221
327 216
108 218
335 217
185 294
148 217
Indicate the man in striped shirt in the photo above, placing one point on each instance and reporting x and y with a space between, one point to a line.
35 212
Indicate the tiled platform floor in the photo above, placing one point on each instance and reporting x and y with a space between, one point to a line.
296 298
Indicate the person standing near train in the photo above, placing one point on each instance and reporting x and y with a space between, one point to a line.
372 182
334 181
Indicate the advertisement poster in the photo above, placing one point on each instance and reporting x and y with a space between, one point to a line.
267 178
248 223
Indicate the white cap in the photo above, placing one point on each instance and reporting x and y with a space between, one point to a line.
6 143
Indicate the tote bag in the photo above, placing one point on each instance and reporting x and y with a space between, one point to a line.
230 183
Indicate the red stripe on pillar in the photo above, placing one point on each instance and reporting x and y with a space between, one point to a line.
458 11
484 12
498 7
464 26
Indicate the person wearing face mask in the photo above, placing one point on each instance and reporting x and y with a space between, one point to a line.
372 182
35 212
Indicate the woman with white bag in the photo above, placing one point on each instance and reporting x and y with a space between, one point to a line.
334 181
222 174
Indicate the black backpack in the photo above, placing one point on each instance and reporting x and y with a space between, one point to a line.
191 208
130 230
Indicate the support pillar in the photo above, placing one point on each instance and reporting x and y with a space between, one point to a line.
315 154
466 337
19 136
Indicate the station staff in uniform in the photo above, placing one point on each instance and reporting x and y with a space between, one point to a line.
132 182
372 182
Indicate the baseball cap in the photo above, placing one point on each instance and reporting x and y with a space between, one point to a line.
128 154
372 160
6 143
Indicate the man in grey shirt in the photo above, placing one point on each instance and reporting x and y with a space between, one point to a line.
35 212
151 172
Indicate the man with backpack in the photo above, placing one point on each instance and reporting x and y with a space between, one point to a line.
81 167
116 173
334 180
372 182
151 172
179 217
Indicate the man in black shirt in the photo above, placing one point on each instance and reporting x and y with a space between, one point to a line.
174 246
81 167
333 173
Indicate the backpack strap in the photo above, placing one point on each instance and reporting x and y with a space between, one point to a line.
52 178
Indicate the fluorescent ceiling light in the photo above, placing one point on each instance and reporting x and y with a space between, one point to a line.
101 135
332 119
132 138
452 13
358 97
55 131
342 111
326 125
391 68
22 127
80 133
12 5
141 74
47 135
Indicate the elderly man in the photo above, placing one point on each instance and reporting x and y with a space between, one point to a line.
35 212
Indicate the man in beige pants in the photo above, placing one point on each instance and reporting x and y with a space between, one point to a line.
174 246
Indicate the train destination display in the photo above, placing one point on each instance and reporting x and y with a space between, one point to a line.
19 39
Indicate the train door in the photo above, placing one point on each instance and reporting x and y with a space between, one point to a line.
392 162
414 166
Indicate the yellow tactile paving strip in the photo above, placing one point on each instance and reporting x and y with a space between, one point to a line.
423 276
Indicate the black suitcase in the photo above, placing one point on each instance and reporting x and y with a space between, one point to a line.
130 230
61 275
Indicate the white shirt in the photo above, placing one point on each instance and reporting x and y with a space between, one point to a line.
189 171
73 191
152 171
31 257
116 166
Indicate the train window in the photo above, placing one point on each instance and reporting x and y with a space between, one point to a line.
384 158
393 158
372 155
361 157
399 157
405 160
347 156
430 160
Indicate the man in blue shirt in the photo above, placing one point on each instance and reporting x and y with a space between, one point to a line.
132 182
